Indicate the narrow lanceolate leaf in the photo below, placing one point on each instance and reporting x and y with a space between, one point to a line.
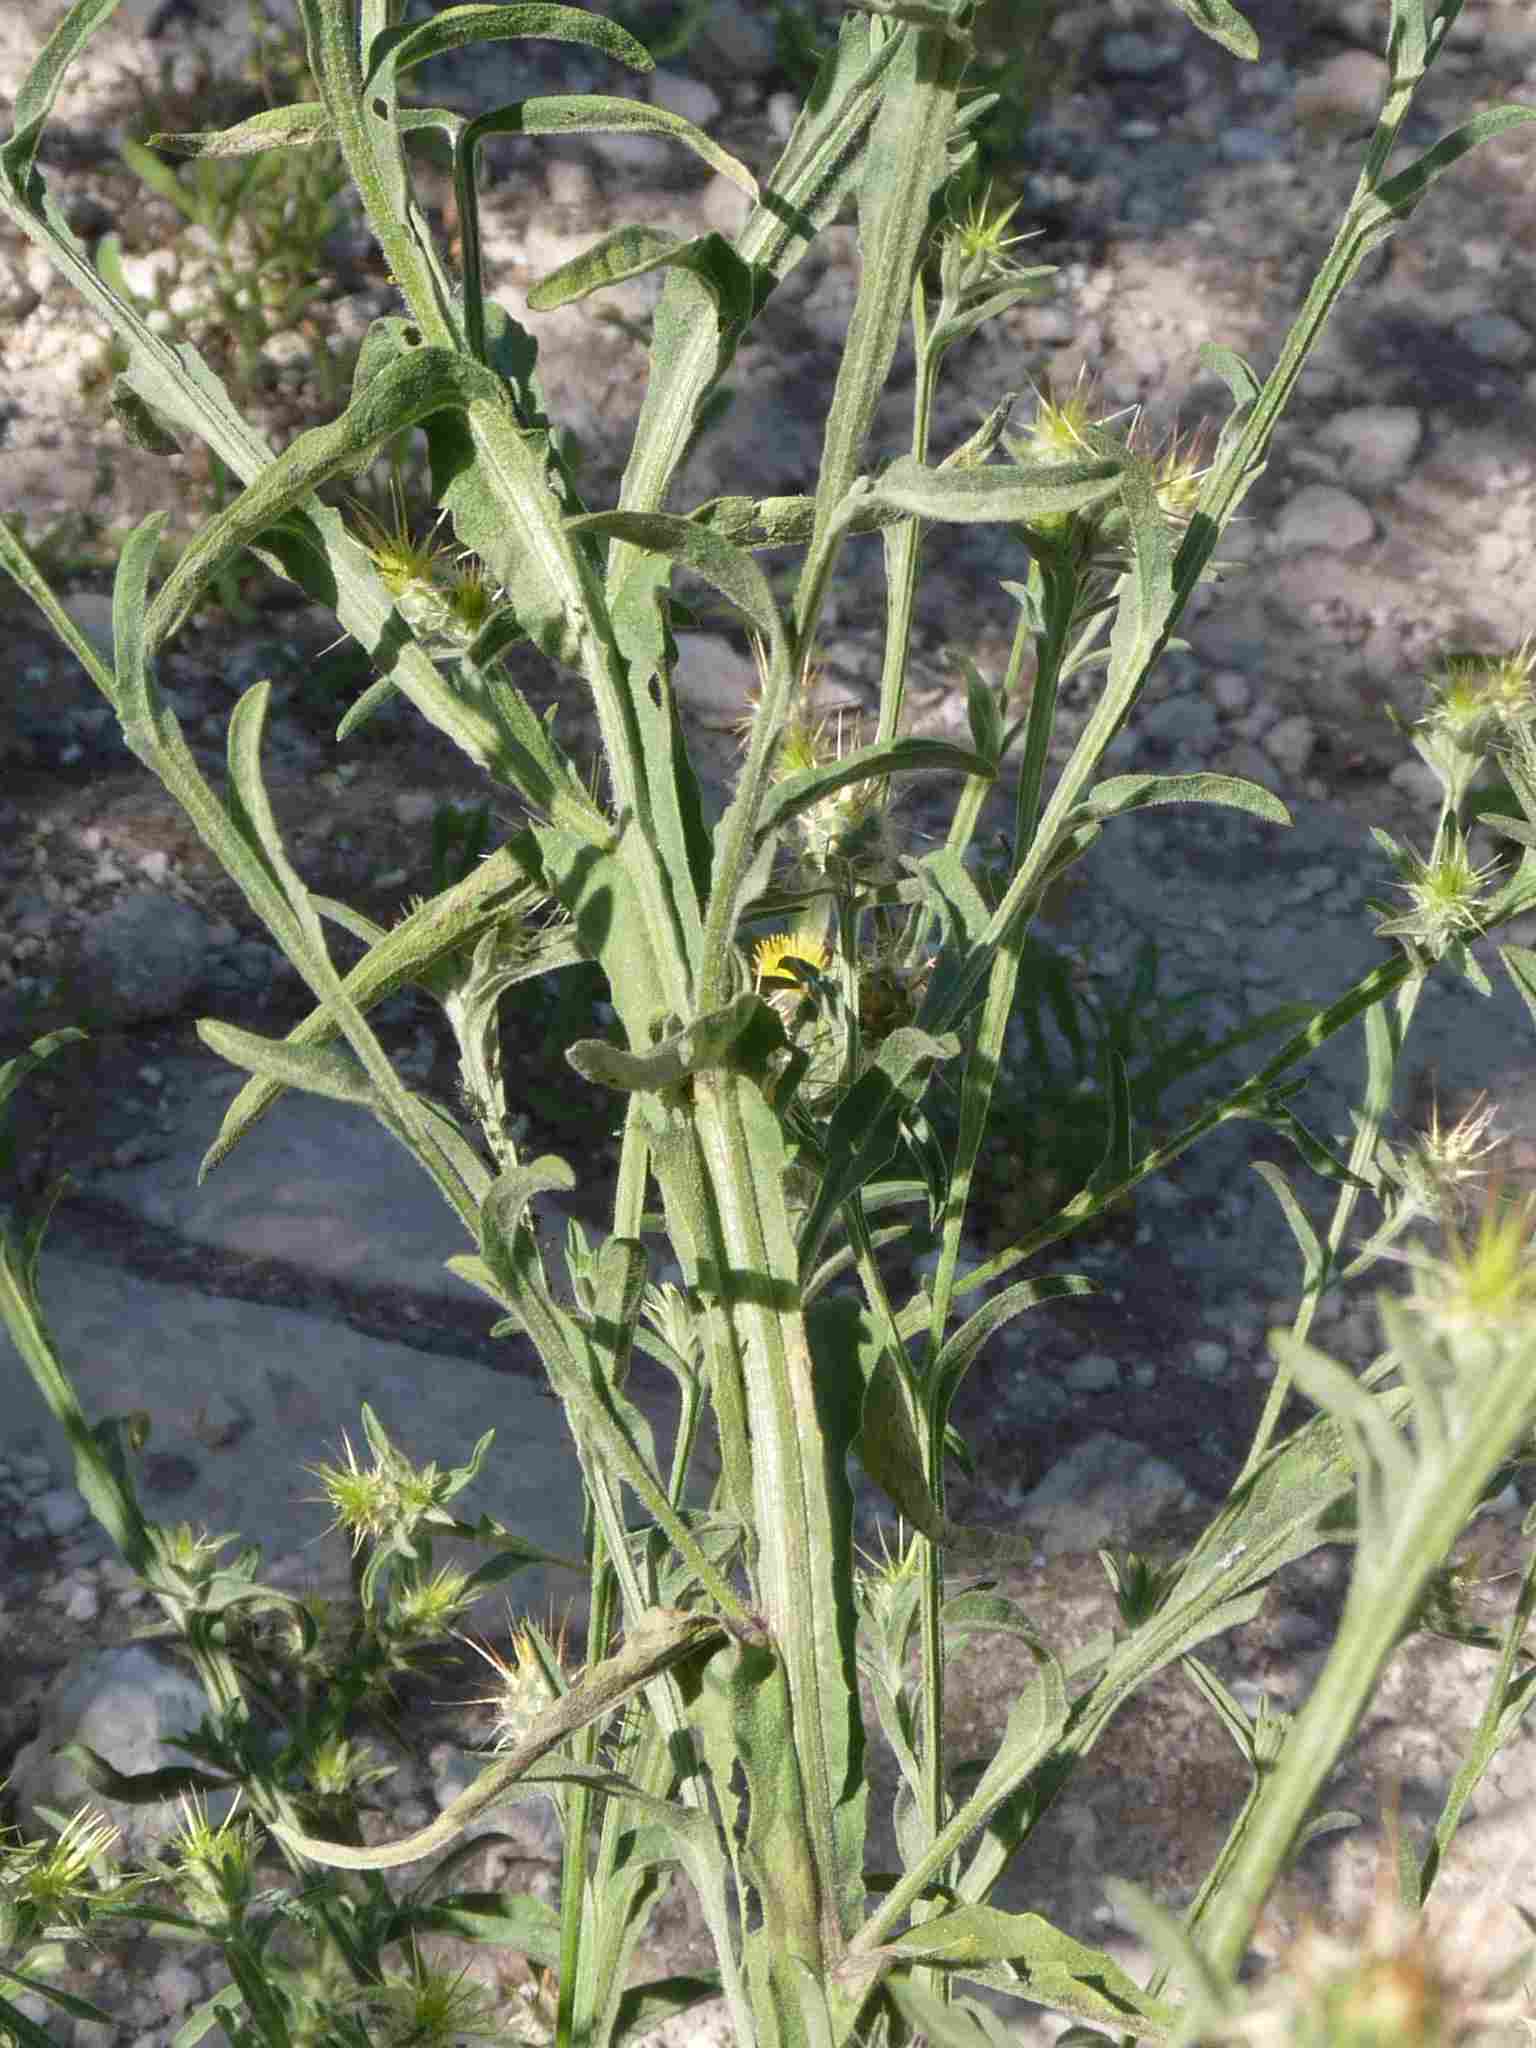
707 1042
905 756
409 391
40 87
1399 195
294 127
401 48
599 114
1220 20
861 1138
317 1069
633 252
1015 492
782 522
1046 1967
908 161
731 570
662 1639
814 175
1120 793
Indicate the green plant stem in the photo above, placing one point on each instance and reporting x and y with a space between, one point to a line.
903 543
1386 1043
803 1600
1385 1592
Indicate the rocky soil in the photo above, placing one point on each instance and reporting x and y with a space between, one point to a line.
1184 198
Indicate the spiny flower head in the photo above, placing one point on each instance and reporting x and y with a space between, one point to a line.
47 1888
1447 1161
424 1609
527 1684
212 1867
1485 1285
974 249
1060 427
1445 896
404 563
430 2008
372 1503
1477 697
1178 473
1390 1980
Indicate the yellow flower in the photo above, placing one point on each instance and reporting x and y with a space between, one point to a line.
777 959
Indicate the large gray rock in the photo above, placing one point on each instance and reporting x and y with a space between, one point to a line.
139 960
124 1704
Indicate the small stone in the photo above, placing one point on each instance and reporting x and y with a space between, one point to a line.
1290 743
1245 144
1375 444
61 1511
690 98
1495 338
83 1603
783 111
1209 1359
1322 516
176 1988
1341 97
1093 1374
725 208
1231 692
735 41
1125 54
1416 779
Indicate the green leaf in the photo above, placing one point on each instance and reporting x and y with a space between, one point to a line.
819 166
411 389
139 421
636 251
317 1069
984 713
40 87
1238 375
294 127
599 114
707 1042
861 1138
1520 966
1014 492
1122 793
960 1350
16 1070
1220 20
782 522
731 570
1399 195
489 1919
1053 1969
136 1788
510 1194
908 755
399 49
